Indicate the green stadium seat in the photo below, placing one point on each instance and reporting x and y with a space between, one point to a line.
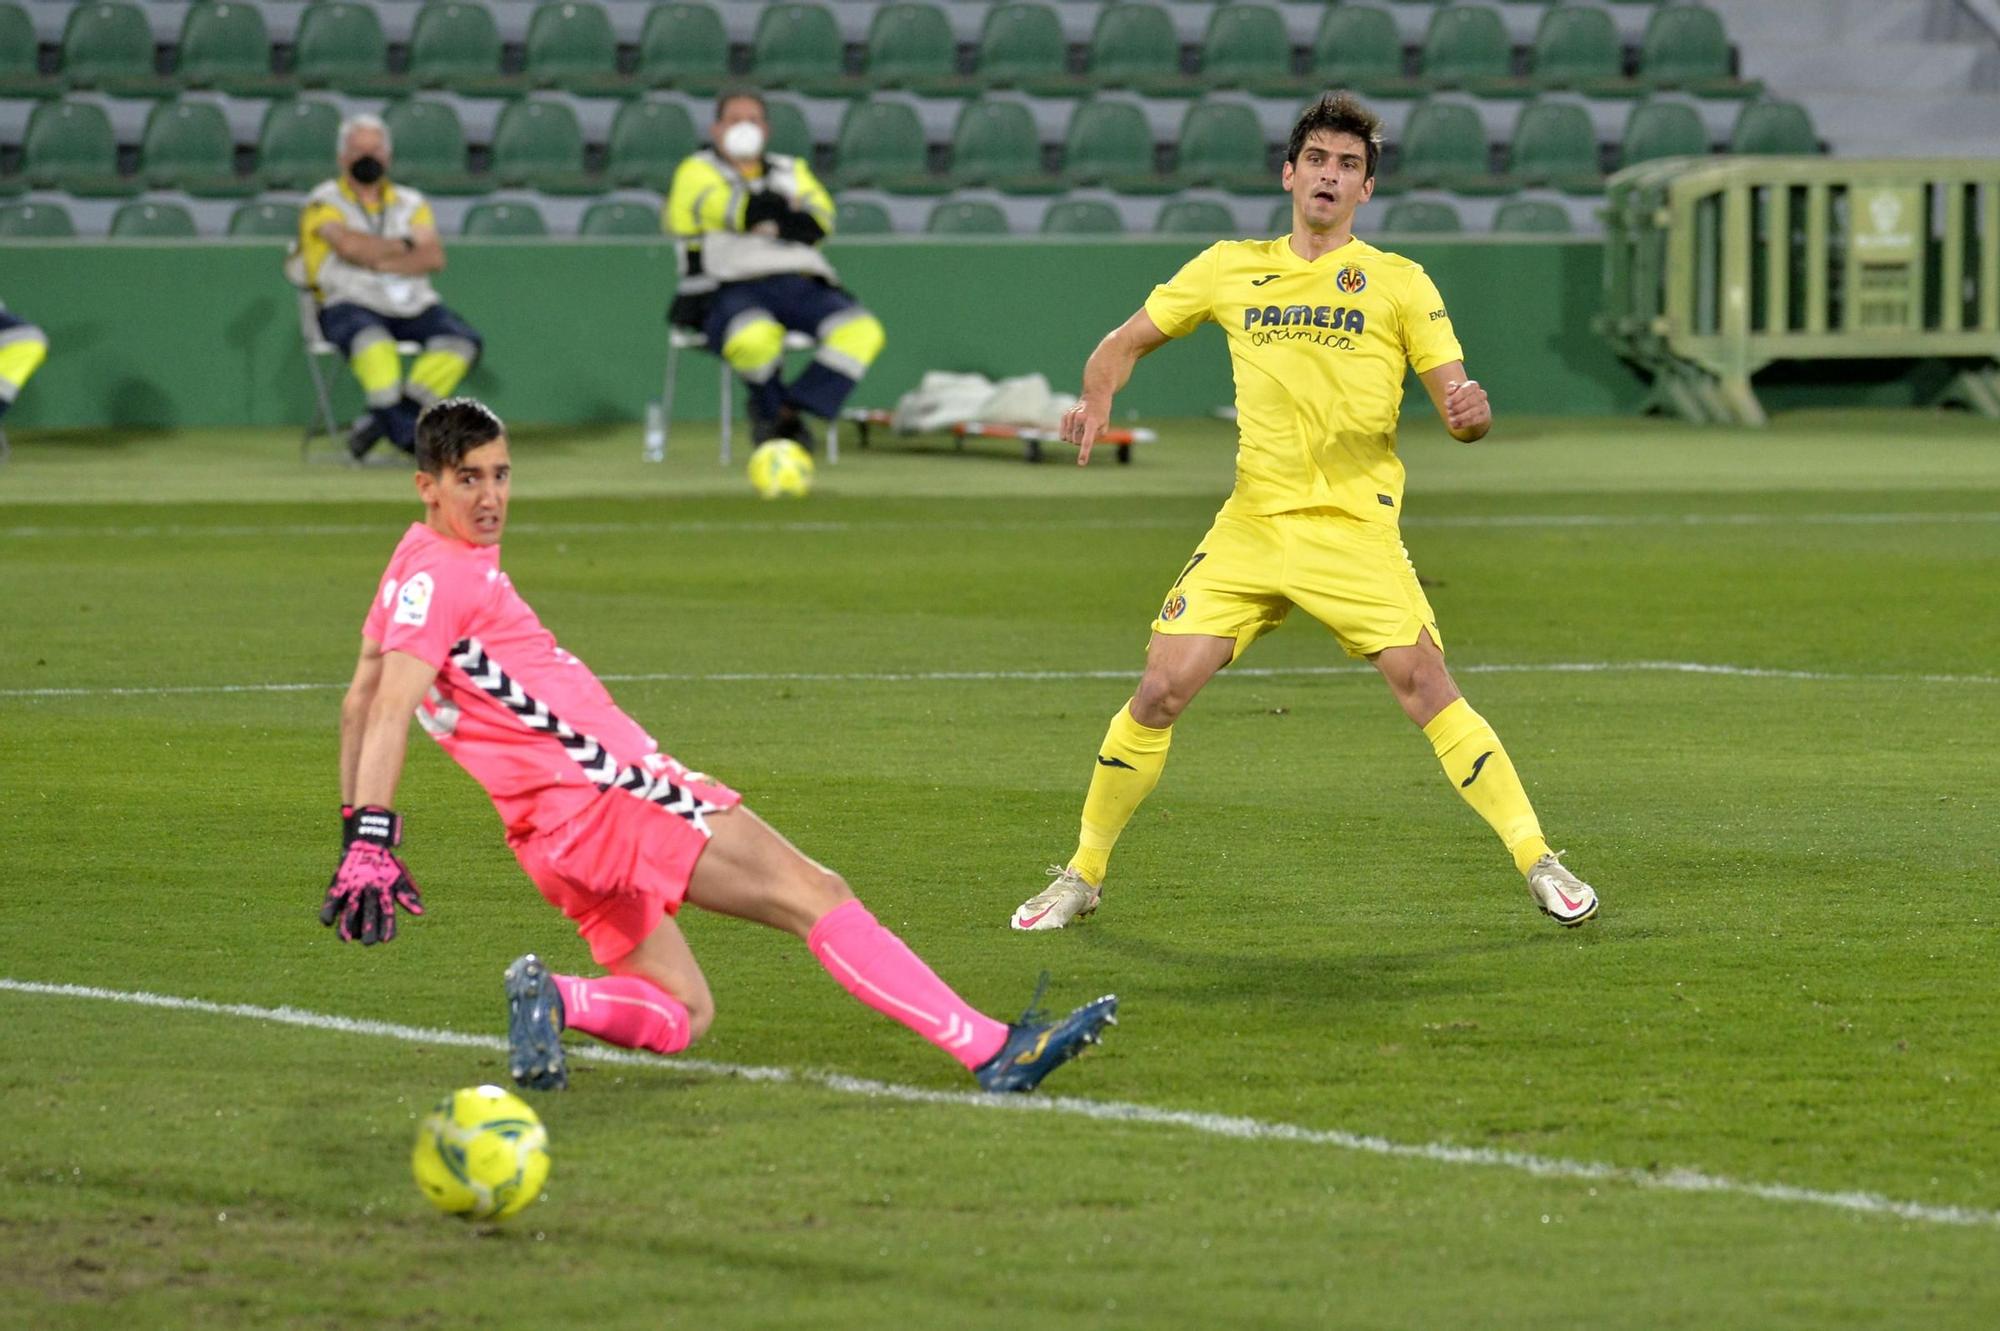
1280 221
1134 47
1532 217
911 46
1358 47
68 146
996 144
1246 46
20 74
1195 217
1022 45
1662 129
225 45
882 144
456 46
860 217
1774 128
152 221
503 219
1555 144
789 132
1082 217
296 148
36 221
340 45
1222 143
538 144
616 218
571 46
265 219
648 142
428 147
188 146
1407 216
1467 47
1444 145
1577 47
1110 143
967 217
1686 48
684 46
798 46
109 45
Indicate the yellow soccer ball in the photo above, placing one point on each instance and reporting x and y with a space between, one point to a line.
780 467
482 1154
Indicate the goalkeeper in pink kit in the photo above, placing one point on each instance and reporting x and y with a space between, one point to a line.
613 832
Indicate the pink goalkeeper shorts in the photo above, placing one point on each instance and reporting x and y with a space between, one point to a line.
624 862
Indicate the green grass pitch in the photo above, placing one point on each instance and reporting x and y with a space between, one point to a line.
1749 678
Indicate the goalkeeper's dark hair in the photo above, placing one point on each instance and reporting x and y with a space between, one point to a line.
450 429
728 95
1339 113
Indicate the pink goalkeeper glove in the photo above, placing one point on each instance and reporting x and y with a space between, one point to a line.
371 882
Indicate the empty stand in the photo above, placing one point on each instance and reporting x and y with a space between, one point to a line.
512 220
648 140
618 218
152 221
967 217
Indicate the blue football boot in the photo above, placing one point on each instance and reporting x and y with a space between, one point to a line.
1036 1047
534 1027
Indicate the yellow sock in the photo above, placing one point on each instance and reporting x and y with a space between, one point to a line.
1129 763
435 373
1472 758
379 369
18 360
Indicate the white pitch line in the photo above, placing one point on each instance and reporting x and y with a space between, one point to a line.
1045 676
184 530
1236 1127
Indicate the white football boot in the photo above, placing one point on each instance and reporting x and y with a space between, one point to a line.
1069 897
1562 896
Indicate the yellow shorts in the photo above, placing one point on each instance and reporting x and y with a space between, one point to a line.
1354 577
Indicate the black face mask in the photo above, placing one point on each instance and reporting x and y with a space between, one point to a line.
367 170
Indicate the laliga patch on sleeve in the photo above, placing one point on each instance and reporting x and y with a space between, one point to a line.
413 602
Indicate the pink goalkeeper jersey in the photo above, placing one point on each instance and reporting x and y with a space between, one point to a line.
524 717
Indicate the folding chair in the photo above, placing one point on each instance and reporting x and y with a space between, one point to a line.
318 349
679 338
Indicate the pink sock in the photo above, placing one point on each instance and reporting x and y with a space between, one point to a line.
879 969
627 1010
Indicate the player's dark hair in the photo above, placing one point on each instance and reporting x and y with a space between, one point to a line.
1340 113
450 429
729 95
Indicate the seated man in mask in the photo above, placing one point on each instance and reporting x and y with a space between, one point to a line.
749 223
367 248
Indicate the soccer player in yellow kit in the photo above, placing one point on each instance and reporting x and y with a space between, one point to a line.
1320 327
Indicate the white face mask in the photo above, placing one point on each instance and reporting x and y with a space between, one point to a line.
743 140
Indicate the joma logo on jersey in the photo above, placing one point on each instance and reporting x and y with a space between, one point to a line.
1308 316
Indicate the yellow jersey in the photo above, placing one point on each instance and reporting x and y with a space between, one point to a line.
705 210
1318 350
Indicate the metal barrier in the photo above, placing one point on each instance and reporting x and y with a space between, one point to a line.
1716 267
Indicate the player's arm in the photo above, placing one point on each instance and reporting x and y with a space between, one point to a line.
1107 371
371 883
401 682
1461 403
354 714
